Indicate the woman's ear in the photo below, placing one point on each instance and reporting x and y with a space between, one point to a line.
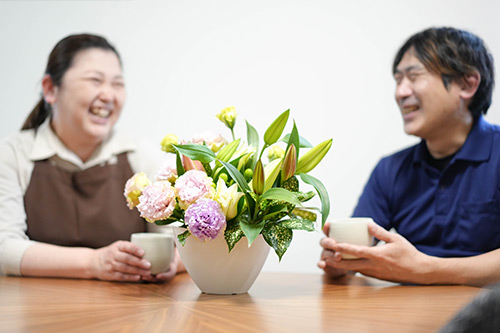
48 89
469 85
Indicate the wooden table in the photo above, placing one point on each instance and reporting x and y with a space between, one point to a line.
277 302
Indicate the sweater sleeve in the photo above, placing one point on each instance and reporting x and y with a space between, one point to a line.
15 170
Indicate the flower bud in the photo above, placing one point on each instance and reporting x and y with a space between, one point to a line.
228 116
275 152
258 178
289 163
248 174
224 177
167 142
310 159
189 164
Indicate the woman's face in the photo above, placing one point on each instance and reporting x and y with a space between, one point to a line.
89 99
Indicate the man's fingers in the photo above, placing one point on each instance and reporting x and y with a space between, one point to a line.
380 233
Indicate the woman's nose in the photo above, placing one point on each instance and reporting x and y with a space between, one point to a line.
107 93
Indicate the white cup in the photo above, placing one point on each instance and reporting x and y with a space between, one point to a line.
352 230
158 249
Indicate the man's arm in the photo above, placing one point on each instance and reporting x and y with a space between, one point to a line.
399 261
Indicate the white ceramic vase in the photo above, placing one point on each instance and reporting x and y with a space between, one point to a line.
214 270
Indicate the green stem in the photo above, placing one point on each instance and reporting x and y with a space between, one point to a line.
262 151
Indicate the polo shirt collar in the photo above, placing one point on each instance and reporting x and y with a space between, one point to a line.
479 143
477 146
47 144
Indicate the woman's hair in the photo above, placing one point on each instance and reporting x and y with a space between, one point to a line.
60 60
453 54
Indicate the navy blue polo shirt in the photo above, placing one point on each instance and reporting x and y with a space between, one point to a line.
454 212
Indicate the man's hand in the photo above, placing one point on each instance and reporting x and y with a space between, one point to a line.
329 257
397 260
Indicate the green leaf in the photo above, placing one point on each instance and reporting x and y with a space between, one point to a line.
233 234
251 230
237 176
240 180
305 196
274 131
303 142
253 140
295 140
179 166
297 224
182 237
306 214
323 195
196 152
281 194
275 213
166 221
278 238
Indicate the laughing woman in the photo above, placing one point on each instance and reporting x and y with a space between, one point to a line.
62 211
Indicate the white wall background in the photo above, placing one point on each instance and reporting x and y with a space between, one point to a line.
328 61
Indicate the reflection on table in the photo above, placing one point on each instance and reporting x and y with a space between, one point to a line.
277 302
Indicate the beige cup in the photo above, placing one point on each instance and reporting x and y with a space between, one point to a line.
352 230
158 249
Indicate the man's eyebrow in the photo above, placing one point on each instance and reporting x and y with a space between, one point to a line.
409 69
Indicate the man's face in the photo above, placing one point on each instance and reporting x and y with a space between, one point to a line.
429 109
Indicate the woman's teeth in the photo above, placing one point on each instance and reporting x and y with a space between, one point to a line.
100 112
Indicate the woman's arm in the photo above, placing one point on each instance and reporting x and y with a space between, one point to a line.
120 261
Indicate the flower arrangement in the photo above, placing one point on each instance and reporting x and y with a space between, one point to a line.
215 186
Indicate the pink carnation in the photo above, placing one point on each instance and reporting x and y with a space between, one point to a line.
193 185
167 171
213 141
157 201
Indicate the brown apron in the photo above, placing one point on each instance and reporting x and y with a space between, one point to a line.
84 208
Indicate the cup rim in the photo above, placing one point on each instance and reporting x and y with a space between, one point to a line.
350 220
151 235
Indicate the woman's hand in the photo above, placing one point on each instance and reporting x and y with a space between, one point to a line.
176 266
120 261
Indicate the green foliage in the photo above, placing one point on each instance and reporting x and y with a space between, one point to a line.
182 237
271 204
233 234
303 142
278 237
323 194
298 224
251 230
196 152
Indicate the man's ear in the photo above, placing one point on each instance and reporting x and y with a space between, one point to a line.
469 85
48 89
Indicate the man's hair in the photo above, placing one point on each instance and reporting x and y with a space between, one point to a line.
454 54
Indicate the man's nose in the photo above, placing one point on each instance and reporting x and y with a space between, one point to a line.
403 89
